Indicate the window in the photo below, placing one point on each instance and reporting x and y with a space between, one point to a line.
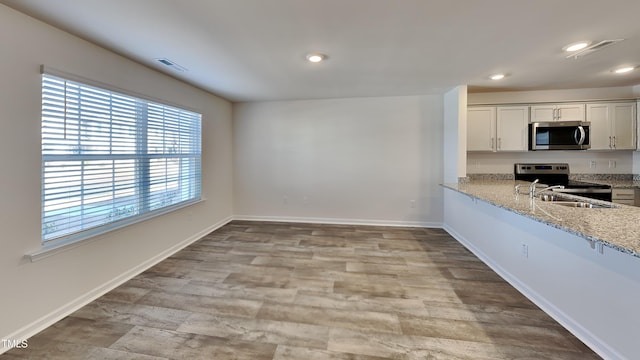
110 159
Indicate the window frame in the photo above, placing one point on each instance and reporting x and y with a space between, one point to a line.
142 159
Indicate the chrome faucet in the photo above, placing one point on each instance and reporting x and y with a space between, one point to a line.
532 188
552 187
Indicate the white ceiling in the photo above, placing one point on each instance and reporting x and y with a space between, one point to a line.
251 50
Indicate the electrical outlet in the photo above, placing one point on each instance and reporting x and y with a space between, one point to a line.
525 250
285 199
412 204
612 164
592 164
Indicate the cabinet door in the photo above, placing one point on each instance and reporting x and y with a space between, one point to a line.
557 112
541 113
511 128
623 116
623 196
570 112
481 128
600 129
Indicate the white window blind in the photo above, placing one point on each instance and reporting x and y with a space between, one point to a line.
110 159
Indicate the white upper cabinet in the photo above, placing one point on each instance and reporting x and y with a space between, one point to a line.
502 128
557 112
613 125
481 129
511 128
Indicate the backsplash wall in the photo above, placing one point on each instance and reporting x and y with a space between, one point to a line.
606 162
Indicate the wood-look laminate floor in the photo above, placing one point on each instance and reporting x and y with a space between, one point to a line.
253 290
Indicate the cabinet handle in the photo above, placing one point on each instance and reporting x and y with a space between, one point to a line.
559 114
499 143
614 142
610 143
493 141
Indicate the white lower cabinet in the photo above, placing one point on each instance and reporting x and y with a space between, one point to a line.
624 196
501 128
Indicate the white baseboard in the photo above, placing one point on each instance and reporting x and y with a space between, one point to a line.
588 338
337 221
67 309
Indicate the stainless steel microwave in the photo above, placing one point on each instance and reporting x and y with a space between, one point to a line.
559 135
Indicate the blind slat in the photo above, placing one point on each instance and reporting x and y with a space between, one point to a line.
109 157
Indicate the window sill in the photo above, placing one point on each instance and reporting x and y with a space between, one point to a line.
54 249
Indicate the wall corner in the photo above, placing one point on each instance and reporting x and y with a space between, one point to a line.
455 134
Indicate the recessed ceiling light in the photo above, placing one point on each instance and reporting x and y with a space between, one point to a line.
577 50
497 77
576 46
315 57
623 70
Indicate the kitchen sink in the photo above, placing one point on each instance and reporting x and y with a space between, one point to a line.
555 198
581 204
563 201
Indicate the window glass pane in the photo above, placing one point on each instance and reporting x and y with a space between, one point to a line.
109 158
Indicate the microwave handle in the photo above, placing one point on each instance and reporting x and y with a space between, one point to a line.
579 140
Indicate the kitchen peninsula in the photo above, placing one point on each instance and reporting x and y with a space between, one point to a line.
617 227
580 265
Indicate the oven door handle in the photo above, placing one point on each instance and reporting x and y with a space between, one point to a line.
582 135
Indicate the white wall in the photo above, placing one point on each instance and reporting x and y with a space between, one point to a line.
455 134
34 294
579 161
361 160
607 162
525 97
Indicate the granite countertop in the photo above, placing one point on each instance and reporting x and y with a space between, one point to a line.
617 228
624 184
628 181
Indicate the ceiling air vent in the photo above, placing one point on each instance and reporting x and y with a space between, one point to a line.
593 48
171 64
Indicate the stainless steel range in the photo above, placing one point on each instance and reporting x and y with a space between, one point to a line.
558 174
